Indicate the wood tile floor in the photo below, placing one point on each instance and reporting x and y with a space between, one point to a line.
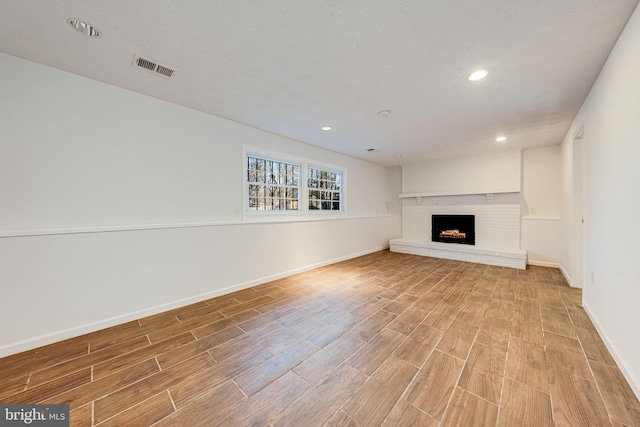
385 339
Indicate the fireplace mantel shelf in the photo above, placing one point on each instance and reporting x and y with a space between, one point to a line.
451 193
420 196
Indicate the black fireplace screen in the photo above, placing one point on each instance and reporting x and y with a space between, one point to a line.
453 229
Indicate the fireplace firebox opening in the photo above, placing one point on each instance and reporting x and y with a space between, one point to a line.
453 229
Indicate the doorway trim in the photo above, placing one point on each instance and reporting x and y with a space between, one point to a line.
578 211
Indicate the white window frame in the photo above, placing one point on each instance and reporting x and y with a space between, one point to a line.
303 203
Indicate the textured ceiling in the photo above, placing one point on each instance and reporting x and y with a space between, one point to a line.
291 66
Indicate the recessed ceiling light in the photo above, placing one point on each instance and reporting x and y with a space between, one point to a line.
397 156
384 113
478 75
84 27
326 128
501 138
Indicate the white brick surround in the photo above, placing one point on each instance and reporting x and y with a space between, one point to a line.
497 225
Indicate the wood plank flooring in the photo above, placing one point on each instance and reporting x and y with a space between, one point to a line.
381 340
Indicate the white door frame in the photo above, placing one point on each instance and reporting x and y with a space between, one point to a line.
578 217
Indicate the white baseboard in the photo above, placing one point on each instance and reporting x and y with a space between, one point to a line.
544 264
54 337
634 382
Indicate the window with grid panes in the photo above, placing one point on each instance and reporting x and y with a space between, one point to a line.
273 185
325 189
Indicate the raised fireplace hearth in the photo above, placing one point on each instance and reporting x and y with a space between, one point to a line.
453 229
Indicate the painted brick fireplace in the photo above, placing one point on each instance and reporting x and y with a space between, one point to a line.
486 187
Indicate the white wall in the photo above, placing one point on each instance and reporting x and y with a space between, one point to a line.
541 227
611 115
115 205
489 173
541 189
394 206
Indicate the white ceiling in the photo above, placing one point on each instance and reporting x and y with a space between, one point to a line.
292 66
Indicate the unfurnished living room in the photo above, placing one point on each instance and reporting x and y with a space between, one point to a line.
319 213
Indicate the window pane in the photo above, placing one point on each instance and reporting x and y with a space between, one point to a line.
330 198
273 185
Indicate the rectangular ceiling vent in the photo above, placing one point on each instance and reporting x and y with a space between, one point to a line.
153 66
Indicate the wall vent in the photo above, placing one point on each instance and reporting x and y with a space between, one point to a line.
153 66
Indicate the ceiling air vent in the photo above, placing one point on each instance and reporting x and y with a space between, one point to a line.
153 66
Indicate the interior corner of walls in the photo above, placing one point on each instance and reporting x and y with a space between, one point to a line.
630 376
566 275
